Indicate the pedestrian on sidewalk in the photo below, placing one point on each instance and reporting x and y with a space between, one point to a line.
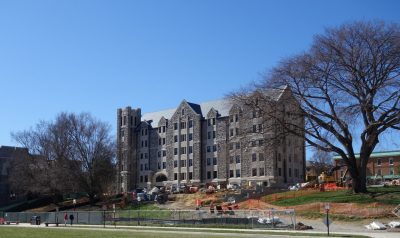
65 219
71 218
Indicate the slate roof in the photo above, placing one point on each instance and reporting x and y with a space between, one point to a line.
222 106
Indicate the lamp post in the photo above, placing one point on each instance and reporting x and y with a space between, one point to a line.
327 207
74 202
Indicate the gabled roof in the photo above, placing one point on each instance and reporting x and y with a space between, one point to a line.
222 106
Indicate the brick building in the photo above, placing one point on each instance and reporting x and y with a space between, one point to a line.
212 142
384 164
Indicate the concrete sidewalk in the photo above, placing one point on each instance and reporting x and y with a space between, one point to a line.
187 230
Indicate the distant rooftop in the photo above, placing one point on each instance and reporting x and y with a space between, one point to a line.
375 154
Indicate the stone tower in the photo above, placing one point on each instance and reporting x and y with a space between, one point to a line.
127 121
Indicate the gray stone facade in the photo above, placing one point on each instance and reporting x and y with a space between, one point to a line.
213 142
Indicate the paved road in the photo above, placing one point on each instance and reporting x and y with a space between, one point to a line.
209 231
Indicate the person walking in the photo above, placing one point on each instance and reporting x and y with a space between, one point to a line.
65 219
71 218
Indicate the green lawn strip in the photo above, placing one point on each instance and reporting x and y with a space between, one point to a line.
22 232
385 195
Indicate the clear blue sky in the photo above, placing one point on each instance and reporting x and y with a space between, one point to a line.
97 56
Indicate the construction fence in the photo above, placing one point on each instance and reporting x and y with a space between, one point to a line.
260 219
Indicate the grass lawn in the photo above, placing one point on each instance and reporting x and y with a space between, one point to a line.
385 195
23 232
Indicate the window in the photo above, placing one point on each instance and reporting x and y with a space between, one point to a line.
254 172
254 128
159 141
175 126
190 175
254 157
208 174
183 163
391 171
159 130
208 161
253 143
183 150
260 142
230 146
183 137
230 132
261 172
230 173
214 161
190 123
261 157
141 156
159 154
254 114
237 131
175 138
215 174
190 162
145 167
183 112
163 141
141 179
124 120
379 162
237 145
190 137
175 176
260 128
146 179
236 117
164 165
163 129
231 118
175 151
213 121
379 172
208 148
231 159
190 149
390 161
279 157
183 176
209 122
175 163
145 155
164 153
279 172
214 148
141 167
237 173
213 134
145 143
209 135
237 159
183 125
159 165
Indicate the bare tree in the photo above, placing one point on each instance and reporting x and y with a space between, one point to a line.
73 153
348 85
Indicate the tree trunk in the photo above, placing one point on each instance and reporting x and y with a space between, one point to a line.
359 184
